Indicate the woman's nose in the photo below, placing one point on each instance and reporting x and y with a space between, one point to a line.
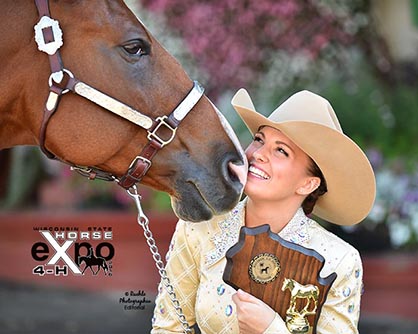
260 155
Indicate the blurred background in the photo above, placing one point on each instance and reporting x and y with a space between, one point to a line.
362 55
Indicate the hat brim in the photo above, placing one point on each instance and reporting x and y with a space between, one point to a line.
347 171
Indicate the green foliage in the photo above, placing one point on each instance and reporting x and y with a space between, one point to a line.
22 181
377 115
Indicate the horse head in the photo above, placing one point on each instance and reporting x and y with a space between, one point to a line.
287 284
80 260
203 168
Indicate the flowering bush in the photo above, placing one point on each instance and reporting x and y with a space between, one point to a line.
237 41
396 203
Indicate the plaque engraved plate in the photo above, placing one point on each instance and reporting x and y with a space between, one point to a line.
264 268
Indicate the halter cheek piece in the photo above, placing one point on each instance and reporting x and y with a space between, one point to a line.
48 36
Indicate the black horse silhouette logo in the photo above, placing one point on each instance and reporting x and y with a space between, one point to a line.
265 270
90 261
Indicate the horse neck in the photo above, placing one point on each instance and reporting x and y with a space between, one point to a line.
16 125
19 63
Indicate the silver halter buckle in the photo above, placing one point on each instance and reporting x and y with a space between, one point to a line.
161 121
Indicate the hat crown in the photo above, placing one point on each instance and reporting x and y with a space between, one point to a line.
306 106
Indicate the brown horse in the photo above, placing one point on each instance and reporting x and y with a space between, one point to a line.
106 47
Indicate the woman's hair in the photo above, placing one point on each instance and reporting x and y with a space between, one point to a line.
309 202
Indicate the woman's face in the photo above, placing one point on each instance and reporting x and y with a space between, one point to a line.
278 169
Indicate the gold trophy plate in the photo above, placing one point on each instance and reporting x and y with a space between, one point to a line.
282 274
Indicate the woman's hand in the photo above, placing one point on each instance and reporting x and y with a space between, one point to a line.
254 316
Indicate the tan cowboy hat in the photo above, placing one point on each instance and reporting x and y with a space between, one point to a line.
310 122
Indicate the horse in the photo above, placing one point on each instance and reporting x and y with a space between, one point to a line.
265 270
298 290
87 83
91 261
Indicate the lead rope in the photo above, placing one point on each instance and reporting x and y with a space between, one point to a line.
143 221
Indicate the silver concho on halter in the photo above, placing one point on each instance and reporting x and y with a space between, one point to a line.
50 47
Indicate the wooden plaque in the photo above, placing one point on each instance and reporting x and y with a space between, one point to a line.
282 274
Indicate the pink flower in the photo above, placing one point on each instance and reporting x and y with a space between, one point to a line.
234 40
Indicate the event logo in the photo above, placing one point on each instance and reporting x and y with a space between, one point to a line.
65 250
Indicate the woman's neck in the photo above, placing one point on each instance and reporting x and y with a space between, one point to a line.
277 216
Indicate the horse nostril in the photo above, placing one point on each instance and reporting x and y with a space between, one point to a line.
238 171
231 175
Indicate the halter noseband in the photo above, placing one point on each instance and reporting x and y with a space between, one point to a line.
48 36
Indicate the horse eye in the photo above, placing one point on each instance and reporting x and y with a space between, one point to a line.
136 48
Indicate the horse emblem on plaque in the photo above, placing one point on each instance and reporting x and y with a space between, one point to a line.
282 274
296 320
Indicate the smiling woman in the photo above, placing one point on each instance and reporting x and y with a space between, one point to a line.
115 99
288 163
297 165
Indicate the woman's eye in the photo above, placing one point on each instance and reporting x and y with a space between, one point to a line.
135 48
258 139
280 150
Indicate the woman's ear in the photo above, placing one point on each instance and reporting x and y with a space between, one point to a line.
310 185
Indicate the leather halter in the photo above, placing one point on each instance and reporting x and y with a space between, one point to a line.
48 36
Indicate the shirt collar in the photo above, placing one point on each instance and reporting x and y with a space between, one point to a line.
228 233
296 230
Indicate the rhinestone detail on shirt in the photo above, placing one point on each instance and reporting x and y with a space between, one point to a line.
228 235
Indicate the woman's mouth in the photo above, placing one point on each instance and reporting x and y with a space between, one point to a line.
258 173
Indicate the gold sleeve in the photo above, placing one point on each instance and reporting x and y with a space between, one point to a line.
182 270
277 326
341 311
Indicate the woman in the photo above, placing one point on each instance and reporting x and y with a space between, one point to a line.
300 162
